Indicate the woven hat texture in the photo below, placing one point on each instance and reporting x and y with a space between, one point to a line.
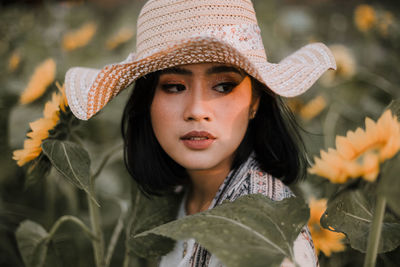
178 32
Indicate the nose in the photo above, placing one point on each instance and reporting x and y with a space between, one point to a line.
196 106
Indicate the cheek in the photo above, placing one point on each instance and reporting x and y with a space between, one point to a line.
237 107
163 115
234 115
157 115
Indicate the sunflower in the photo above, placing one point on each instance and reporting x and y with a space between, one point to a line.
122 36
41 78
324 240
79 37
364 17
40 128
361 152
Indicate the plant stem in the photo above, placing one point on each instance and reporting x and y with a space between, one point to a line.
98 244
378 81
105 160
375 232
132 219
50 197
330 122
73 219
114 238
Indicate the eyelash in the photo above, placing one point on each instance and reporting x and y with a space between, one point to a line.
167 87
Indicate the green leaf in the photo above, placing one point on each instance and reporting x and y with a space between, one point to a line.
72 161
148 213
251 231
389 184
394 106
351 213
32 243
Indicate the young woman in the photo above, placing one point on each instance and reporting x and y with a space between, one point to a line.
205 113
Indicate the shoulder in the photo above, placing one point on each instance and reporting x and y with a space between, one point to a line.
262 182
251 179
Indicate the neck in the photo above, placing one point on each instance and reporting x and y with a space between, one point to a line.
204 186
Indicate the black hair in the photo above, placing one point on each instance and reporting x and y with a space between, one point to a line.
272 134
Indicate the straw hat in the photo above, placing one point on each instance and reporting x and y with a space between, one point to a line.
177 32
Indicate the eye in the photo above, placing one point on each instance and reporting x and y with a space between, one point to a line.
173 88
225 87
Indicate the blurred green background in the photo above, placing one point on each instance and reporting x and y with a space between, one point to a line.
365 39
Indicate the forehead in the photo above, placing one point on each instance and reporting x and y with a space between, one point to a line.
203 68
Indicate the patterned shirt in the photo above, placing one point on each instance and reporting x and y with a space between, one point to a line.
247 179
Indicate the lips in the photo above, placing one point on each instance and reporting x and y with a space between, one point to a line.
198 140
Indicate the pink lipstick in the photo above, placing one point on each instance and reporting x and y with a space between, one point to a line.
198 140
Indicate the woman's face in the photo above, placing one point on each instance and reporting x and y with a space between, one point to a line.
200 114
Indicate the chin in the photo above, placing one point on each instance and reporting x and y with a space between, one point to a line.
195 162
199 160
198 166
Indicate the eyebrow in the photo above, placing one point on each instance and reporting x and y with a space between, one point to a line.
212 70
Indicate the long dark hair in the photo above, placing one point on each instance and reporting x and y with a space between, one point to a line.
273 135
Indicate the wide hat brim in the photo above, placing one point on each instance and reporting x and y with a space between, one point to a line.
89 90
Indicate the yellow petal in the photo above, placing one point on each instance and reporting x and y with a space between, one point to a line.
324 169
14 61
32 144
63 100
51 112
317 208
122 36
385 122
79 37
313 108
345 148
370 167
390 148
324 240
31 150
331 242
42 77
353 169
370 127
40 135
21 157
42 124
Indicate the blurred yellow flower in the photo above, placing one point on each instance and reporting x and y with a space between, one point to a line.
345 62
324 240
122 36
364 17
13 62
42 77
40 128
79 37
360 152
295 104
313 108
385 22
